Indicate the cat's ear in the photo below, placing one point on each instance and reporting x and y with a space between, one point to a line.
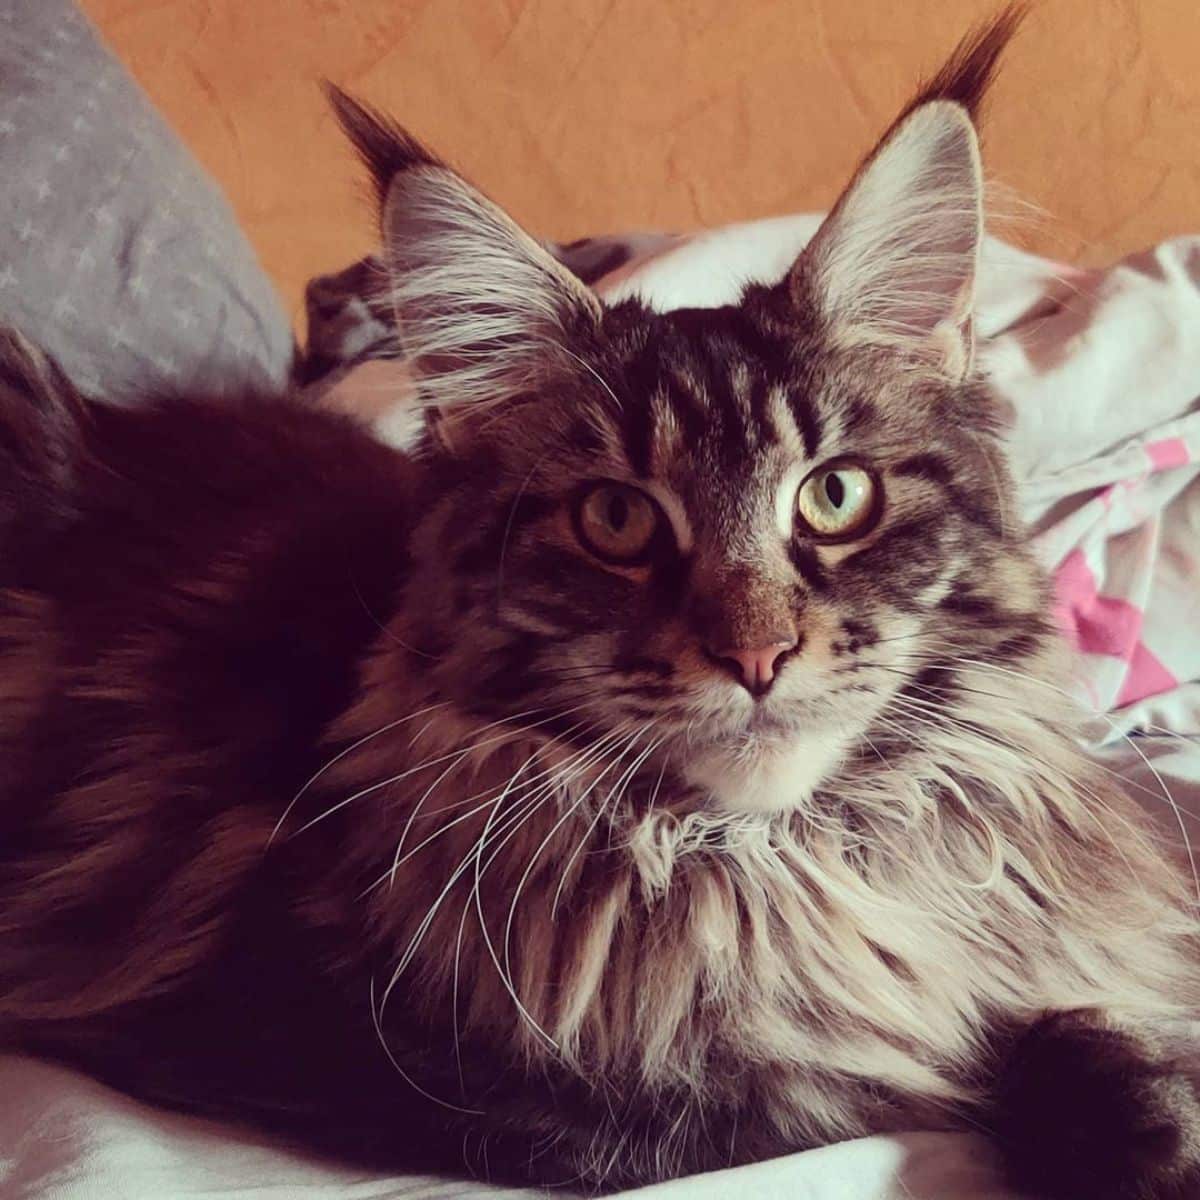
484 313
895 262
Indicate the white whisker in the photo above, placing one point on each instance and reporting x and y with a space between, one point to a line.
342 754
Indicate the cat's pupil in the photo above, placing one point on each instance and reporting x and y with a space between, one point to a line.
835 489
618 512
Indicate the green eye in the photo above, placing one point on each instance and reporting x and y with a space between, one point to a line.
616 522
839 501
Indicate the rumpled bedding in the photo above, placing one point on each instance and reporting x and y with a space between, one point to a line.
1101 369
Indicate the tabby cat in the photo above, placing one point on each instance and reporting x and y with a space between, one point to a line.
657 768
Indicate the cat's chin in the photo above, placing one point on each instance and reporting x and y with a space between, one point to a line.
767 774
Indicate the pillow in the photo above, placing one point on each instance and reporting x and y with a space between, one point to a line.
117 254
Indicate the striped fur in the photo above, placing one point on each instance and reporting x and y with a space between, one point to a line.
356 798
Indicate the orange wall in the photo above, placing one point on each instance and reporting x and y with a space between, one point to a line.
593 115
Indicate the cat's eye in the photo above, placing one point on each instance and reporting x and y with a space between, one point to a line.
838 501
616 522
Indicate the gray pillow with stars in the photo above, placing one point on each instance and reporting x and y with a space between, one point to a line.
118 255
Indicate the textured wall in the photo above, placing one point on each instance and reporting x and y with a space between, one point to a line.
591 115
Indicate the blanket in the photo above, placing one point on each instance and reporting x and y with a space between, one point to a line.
1101 370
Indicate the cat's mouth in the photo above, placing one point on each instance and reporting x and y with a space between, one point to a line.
772 762
771 755
768 725
771 774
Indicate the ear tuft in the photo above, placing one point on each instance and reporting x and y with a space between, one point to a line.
968 74
896 260
894 264
483 313
385 147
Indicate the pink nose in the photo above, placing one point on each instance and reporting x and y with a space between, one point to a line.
756 668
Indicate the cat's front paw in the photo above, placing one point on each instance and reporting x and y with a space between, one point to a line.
1084 1111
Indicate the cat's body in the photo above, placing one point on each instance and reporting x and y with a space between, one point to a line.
575 798
189 623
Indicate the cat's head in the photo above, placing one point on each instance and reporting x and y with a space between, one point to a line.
716 546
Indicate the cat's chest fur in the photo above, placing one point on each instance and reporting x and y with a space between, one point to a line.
829 980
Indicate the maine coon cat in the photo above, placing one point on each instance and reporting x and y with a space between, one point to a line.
659 767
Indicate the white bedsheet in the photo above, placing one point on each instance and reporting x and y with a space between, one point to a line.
63 1137
1103 371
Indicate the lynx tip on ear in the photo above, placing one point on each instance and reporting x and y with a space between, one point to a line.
385 147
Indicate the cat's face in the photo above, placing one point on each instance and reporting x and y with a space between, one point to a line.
723 570
708 546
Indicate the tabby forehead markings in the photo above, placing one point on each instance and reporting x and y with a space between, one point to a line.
785 498
808 421
741 388
668 433
675 511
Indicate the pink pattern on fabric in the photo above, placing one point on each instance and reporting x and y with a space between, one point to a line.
1146 677
1105 625
1093 623
1074 587
1168 453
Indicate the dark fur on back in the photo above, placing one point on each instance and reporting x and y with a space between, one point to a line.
186 590
186 622
40 418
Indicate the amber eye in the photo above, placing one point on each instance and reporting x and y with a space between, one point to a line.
838 501
616 522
